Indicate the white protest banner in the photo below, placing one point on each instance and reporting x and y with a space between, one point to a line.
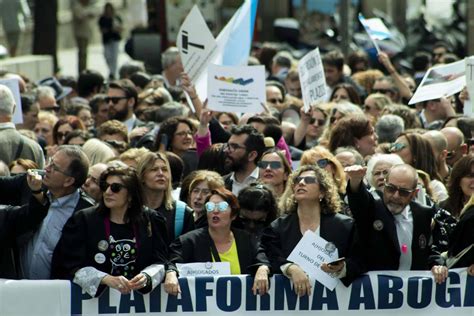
195 43
14 86
236 89
441 81
310 253
410 293
203 269
468 110
313 81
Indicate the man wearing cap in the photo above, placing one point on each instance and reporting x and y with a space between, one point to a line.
13 145
49 92
395 230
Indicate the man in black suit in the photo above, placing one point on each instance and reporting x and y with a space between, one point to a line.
395 230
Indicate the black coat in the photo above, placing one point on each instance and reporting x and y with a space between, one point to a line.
378 233
283 234
195 247
14 221
463 237
83 231
170 216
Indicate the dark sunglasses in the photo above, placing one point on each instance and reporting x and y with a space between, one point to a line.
114 100
271 164
322 163
252 222
390 188
61 135
396 147
382 91
307 180
450 154
321 122
221 206
275 100
114 187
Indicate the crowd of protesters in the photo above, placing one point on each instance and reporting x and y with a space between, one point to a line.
114 183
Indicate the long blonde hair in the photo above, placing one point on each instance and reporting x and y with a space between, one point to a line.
145 164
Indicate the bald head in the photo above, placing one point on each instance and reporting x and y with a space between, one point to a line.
438 141
456 147
404 173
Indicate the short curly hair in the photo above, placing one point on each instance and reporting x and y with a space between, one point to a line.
331 202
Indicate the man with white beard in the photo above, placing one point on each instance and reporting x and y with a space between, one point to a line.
395 230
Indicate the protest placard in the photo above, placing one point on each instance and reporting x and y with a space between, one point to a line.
441 81
236 89
203 269
14 86
195 43
468 105
310 253
313 81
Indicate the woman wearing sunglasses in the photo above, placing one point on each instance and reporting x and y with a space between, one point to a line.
274 170
119 244
323 158
216 243
418 152
311 203
310 127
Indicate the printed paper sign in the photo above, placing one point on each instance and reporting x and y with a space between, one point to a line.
469 110
196 44
14 86
310 253
313 81
203 269
441 81
236 89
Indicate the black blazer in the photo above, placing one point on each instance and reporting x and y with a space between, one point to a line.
14 221
377 230
83 231
281 237
463 237
195 246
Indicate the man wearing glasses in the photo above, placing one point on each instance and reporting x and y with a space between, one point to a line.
122 98
64 174
396 230
242 151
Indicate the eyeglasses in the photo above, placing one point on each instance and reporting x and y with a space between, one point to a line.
114 100
396 147
391 189
61 135
275 100
252 222
184 133
367 108
321 122
380 173
114 187
271 164
202 191
307 180
221 206
233 146
50 163
93 179
382 91
322 163
450 154
54 108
